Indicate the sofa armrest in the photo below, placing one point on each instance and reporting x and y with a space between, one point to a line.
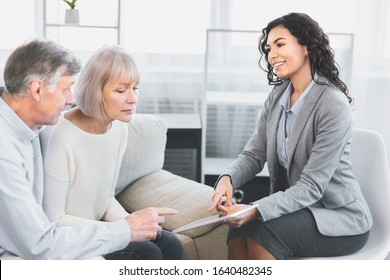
164 189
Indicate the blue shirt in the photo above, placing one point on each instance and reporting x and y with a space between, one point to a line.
287 120
25 230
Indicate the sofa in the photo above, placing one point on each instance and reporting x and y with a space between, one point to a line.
144 183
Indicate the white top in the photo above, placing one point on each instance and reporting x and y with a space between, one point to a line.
81 171
287 120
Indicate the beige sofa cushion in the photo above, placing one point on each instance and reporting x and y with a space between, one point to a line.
145 149
164 189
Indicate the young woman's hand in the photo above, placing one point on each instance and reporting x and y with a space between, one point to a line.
243 218
223 194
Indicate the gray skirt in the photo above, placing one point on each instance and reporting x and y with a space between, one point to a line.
296 234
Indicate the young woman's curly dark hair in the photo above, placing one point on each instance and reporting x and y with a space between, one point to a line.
309 33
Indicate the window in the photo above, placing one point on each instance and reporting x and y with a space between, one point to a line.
170 26
16 24
387 31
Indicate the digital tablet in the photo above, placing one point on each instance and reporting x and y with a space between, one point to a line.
213 219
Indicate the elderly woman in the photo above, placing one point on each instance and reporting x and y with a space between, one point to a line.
83 153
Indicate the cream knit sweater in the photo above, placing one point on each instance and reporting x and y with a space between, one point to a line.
81 170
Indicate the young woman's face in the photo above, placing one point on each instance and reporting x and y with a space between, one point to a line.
288 58
120 99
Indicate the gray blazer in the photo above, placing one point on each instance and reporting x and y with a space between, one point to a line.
319 169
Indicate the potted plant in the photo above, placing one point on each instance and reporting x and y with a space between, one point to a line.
71 14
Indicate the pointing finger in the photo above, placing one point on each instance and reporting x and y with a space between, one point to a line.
166 211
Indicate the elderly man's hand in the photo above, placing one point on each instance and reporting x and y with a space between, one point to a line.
147 224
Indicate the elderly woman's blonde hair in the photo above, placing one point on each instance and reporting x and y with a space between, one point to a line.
105 66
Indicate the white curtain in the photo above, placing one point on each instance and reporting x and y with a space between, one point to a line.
167 39
234 90
371 72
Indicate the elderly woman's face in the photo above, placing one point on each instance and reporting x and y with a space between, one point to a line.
120 99
287 57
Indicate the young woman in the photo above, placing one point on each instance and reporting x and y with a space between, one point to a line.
315 206
84 151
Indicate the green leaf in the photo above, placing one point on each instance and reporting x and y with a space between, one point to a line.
72 3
